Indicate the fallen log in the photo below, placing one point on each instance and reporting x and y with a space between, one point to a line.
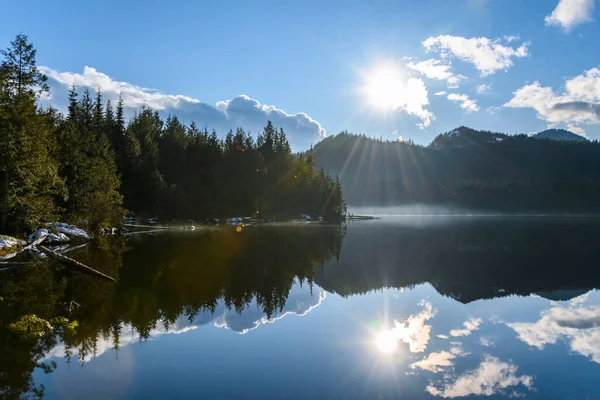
34 243
74 263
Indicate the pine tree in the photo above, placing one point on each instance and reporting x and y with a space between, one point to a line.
88 164
30 173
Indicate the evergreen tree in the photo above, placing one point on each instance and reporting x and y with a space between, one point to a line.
30 173
88 164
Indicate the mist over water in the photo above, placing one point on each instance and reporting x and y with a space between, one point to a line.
424 210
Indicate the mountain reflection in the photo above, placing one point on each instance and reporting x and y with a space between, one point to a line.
470 259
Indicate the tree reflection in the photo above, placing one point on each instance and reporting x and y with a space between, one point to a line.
160 279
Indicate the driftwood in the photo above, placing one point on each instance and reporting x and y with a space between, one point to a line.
74 263
146 226
353 217
34 243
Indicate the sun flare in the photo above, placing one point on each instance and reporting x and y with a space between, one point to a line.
384 86
386 341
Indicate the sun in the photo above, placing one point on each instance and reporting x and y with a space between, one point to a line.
384 87
386 341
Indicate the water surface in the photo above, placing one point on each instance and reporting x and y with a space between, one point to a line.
402 307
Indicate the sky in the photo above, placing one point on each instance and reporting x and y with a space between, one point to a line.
391 69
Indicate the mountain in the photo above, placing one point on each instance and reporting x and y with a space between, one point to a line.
560 135
466 168
464 136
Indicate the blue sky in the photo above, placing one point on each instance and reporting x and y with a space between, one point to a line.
325 66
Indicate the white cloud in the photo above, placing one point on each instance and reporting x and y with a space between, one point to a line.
570 13
577 323
488 56
440 93
483 88
415 100
437 362
510 38
468 104
486 341
577 105
388 88
491 377
436 69
240 111
413 330
469 326
443 336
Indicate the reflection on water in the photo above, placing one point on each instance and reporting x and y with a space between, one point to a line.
468 307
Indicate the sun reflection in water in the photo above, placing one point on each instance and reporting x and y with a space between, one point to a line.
386 341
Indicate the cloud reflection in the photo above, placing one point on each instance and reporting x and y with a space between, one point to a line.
469 326
577 322
413 330
492 376
437 362
300 302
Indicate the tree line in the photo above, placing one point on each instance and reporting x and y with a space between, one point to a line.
466 168
92 165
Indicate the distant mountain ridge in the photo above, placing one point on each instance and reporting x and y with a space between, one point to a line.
470 169
465 136
559 134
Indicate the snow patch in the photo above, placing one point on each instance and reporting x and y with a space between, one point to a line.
71 230
51 237
8 242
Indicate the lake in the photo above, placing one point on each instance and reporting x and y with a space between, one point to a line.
402 307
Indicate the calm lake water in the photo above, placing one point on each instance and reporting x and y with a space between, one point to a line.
410 308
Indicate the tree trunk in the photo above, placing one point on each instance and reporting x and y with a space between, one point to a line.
5 201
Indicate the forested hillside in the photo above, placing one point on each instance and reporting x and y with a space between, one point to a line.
467 168
91 165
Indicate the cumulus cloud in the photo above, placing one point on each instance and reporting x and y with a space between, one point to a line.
486 341
483 88
413 330
576 323
469 326
570 13
241 111
492 376
438 361
577 105
415 100
437 69
487 55
440 93
465 102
